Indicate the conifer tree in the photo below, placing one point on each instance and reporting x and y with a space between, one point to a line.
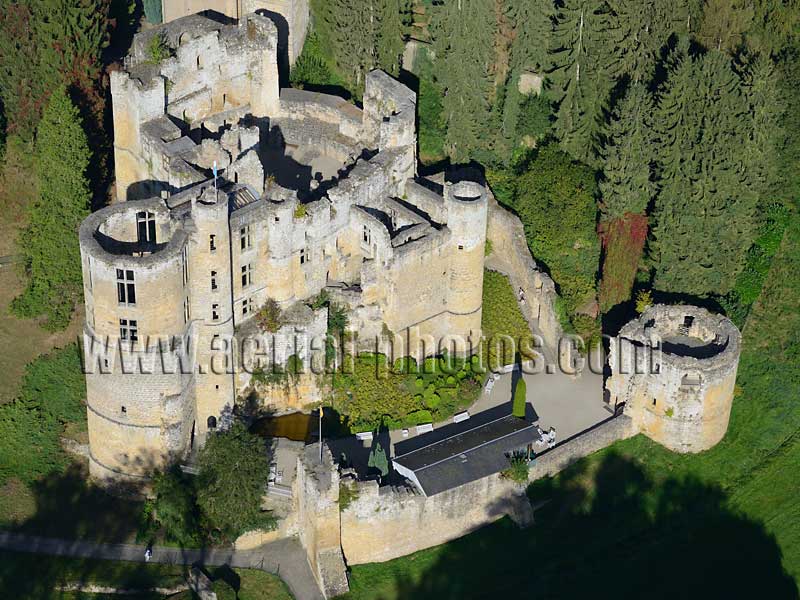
626 191
389 36
641 30
584 67
533 26
705 217
377 459
464 37
21 88
71 35
627 186
362 35
767 106
50 241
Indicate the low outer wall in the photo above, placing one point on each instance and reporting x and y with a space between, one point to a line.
511 257
384 524
563 455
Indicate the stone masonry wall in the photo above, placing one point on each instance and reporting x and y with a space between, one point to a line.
384 523
510 256
316 508
570 451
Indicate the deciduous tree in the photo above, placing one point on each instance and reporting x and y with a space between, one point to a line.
231 483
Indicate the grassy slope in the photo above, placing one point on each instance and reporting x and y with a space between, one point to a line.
637 519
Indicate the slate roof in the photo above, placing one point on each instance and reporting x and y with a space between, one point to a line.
460 453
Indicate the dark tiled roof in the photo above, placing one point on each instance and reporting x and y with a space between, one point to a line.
457 454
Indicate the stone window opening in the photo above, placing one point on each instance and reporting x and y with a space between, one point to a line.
654 401
367 236
126 287
247 275
146 227
461 246
305 257
186 310
128 330
124 410
215 312
212 243
212 422
199 63
245 241
245 306
214 281
185 256
684 328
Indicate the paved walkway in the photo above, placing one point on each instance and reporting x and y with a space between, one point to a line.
285 558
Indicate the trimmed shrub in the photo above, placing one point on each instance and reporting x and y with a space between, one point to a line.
520 398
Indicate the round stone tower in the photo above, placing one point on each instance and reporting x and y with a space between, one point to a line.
674 369
139 415
466 204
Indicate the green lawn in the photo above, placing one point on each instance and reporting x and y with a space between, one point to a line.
31 576
636 520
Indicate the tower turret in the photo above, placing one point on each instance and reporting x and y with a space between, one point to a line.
674 368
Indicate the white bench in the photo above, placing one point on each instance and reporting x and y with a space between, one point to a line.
364 436
462 416
426 428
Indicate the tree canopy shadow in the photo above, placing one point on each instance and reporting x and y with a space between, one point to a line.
609 530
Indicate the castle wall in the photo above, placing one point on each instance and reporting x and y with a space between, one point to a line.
511 257
316 507
134 104
385 523
570 451
136 424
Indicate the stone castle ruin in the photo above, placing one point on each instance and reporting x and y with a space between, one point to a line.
233 193
312 193
674 368
291 17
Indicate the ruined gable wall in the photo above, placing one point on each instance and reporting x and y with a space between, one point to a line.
134 103
295 12
175 9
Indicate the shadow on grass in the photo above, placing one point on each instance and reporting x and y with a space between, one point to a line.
611 532
68 506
